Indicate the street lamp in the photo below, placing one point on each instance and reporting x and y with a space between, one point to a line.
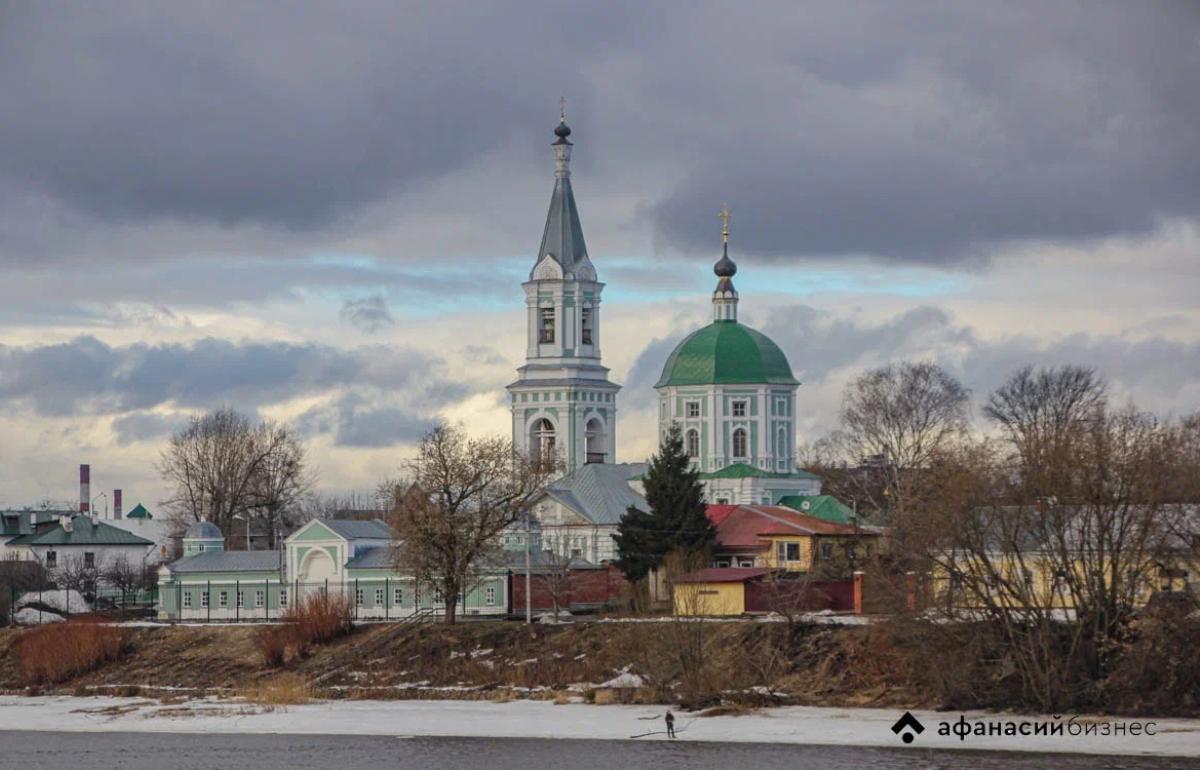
245 518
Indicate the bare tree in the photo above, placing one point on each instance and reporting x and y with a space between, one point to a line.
555 569
222 465
460 494
1057 566
894 421
74 573
126 575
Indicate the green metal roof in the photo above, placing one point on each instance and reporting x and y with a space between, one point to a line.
744 471
83 532
726 353
825 507
139 512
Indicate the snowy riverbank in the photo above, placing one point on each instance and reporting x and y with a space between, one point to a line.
541 719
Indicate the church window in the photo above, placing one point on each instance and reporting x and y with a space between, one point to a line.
585 326
546 325
594 436
542 440
781 443
781 407
693 443
739 443
692 408
739 408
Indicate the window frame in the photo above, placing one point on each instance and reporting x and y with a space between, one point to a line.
360 597
379 596
187 600
692 435
792 547
397 597
222 599
51 559
489 596
260 598
688 408
745 444
546 324
739 403
283 597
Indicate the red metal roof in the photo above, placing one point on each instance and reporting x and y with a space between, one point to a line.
745 525
722 575
716 512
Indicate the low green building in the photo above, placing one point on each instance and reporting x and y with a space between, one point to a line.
350 558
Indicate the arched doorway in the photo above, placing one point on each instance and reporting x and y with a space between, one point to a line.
317 570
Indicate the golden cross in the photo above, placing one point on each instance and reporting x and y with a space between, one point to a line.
725 216
562 109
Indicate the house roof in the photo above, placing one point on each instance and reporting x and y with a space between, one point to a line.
747 525
355 529
825 507
23 522
716 512
600 492
203 530
84 531
228 561
745 471
378 557
723 353
722 575
139 512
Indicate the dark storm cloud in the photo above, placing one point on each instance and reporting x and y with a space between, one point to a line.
923 131
86 376
283 115
369 313
938 132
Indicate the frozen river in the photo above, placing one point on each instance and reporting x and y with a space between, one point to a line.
173 751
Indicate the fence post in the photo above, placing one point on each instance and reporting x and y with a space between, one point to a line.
266 598
208 601
387 599
237 605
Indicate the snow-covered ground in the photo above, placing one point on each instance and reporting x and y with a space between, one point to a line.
542 719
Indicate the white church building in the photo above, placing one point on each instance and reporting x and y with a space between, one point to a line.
729 387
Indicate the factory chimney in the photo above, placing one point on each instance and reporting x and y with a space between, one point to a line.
117 513
85 488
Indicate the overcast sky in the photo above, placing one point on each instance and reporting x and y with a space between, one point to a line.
322 213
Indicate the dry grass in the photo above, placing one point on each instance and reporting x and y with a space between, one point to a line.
286 689
56 653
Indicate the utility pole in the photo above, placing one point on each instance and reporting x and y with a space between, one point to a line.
528 582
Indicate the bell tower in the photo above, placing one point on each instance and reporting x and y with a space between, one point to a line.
563 404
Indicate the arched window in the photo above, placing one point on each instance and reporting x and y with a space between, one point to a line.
594 433
781 449
739 443
541 440
693 443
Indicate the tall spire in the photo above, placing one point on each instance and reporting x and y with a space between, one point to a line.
725 297
562 240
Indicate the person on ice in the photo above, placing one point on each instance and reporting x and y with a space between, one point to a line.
670 724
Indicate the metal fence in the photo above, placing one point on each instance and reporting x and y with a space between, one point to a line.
384 599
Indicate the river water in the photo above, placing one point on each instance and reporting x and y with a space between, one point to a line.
172 751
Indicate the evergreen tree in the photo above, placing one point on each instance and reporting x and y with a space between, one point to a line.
676 520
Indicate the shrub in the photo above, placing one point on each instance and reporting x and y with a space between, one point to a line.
318 619
282 690
56 653
272 644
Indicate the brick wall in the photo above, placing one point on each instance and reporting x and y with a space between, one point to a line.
587 589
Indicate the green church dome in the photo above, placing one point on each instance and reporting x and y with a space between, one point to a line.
726 353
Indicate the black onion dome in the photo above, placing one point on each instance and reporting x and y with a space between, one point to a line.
725 267
562 131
